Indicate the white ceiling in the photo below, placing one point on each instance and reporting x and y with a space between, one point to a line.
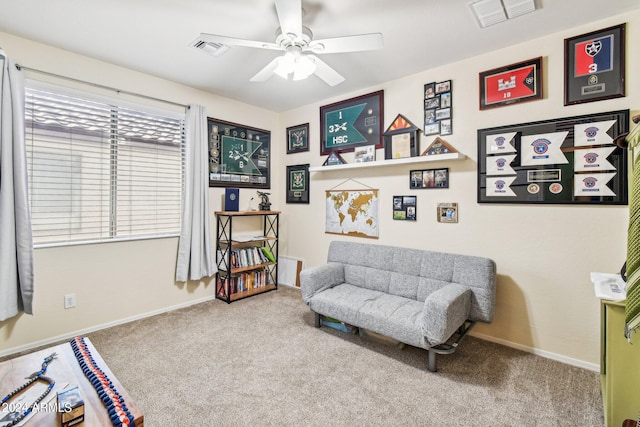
153 36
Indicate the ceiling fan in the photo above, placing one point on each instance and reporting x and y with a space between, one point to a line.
299 60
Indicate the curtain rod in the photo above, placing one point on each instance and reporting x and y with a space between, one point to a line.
100 86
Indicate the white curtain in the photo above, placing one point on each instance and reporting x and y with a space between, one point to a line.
195 259
16 239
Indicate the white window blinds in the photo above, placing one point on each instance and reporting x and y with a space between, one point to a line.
100 171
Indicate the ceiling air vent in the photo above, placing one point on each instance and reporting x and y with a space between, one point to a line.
214 49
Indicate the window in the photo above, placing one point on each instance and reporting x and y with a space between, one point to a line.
99 171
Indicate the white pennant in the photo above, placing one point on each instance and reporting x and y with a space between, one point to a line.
592 185
593 159
543 149
500 165
500 186
500 143
594 133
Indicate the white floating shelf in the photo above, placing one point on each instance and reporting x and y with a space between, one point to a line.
391 162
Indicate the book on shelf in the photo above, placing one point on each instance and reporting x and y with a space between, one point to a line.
268 254
229 285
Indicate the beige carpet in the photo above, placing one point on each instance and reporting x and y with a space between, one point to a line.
261 362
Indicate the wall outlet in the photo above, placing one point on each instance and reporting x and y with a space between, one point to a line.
69 300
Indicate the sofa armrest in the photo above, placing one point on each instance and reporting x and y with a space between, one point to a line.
444 311
317 279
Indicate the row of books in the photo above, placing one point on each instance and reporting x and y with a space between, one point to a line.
230 285
247 257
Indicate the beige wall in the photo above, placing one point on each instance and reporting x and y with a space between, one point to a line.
544 254
545 301
113 282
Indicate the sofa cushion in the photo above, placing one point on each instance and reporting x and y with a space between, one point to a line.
380 312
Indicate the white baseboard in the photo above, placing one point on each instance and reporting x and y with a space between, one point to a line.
85 331
553 356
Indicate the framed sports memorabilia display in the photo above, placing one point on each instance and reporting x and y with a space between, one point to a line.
298 138
404 207
572 160
239 155
437 108
594 66
510 84
351 123
298 184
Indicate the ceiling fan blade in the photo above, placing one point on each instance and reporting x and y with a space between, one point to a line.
358 43
290 16
325 72
232 41
266 72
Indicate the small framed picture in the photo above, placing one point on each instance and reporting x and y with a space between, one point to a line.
404 208
365 153
298 138
298 184
594 66
444 86
429 178
447 212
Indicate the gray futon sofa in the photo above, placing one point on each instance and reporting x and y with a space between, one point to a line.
421 298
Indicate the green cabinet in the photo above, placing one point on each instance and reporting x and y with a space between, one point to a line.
619 367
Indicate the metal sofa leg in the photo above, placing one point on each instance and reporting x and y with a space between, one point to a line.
317 319
431 365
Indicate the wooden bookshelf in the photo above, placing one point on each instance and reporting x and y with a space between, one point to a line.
238 279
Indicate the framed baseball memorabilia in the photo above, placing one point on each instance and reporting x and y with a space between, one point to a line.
594 66
351 123
510 84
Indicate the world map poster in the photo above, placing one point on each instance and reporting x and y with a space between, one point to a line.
352 213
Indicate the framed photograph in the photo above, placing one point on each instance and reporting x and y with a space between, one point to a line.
437 108
365 153
447 212
351 123
429 178
510 84
404 207
239 155
298 138
298 184
571 160
594 66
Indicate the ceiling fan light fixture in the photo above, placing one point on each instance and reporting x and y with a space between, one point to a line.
303 68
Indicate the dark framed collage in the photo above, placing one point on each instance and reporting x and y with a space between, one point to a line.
438 108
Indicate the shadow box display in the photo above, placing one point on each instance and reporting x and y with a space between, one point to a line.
510 84
572 160
239 155
351 123
594 66
298 138
298 184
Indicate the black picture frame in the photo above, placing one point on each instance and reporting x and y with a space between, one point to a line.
405 208
594 65
298 138
298 184
239 155
511 84
422 179
570 160
353 122
438 108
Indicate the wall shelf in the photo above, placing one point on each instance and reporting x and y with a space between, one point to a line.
391 162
